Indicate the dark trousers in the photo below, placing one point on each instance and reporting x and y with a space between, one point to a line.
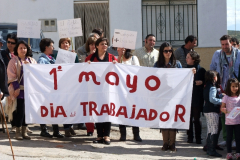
124 126
20 115
67 126
103 129
44 127
195 119
230 129
13 122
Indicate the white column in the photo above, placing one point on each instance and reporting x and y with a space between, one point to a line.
126 15
212 22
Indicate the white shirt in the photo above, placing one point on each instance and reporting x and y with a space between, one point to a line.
132 61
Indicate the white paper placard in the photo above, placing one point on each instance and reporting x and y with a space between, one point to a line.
28 29
233 114
69 28
124 39
64 56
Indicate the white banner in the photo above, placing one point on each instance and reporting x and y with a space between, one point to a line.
107 92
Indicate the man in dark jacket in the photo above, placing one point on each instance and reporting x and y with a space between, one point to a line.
3 75
7 54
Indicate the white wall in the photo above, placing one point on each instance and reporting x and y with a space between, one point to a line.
212 22
126 15
12 10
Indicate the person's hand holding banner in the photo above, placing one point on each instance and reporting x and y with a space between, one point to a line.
107 92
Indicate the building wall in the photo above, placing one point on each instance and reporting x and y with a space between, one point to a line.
212 22
206 54
12 10
126 15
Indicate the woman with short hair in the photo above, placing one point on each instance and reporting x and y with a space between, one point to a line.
65 43
101 55
46 47
90 48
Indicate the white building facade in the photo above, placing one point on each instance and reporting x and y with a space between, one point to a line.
168 19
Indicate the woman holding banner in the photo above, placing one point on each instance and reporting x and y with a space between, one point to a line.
167 59
91 49
101 55
46 47
125 57
22 54
65 43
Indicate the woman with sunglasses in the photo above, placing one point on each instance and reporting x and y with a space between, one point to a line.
167 59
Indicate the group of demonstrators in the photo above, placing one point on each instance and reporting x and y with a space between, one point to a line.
215 92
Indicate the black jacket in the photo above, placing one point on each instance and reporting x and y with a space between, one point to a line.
197 94
6 57
3 78
208 106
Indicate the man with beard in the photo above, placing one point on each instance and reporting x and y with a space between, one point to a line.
147 55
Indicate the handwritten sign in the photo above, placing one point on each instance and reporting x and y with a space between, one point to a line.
64 56
28 29
70 28
233 114
124 39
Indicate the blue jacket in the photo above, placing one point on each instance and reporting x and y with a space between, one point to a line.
44 59
212 99
215 64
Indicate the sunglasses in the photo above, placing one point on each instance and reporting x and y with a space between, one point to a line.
11 42
166 51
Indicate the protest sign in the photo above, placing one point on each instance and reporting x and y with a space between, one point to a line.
107 92
64 56
124 39
28 29
69 28
234 113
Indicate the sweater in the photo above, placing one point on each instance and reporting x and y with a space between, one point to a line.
212 99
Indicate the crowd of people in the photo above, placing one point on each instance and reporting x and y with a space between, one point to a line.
215 92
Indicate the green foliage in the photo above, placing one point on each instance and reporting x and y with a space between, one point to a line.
236 34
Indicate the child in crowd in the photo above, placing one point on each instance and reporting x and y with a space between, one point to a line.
231 100
211 111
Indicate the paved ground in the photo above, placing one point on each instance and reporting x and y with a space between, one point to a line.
81 147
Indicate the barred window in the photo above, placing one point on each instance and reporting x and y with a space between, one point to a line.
169 20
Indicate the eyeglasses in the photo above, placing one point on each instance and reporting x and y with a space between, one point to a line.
11 42
166 51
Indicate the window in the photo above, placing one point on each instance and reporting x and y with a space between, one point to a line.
169 20
48 25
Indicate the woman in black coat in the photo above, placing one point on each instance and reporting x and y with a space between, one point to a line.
193 60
